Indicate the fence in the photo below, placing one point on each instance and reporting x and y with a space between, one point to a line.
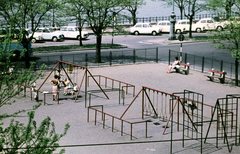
122 57
203 64
108 58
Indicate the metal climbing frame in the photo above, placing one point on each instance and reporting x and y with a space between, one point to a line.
193 104
226 110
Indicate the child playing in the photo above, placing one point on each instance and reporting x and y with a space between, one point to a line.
75 89
35 96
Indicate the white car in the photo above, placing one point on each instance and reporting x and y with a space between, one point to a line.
182 26
73 32
145 28
49 34
164 26
233 20
209 24
36 36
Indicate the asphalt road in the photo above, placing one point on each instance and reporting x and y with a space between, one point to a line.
149 41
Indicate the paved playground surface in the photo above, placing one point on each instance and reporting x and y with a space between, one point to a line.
86 137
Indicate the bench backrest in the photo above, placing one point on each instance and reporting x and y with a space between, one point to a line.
214 71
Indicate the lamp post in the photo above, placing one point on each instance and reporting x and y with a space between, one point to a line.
172 35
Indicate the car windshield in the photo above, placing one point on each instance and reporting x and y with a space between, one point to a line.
50 30
64 29
46 30
39 30
29 31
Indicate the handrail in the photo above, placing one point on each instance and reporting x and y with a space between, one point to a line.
38 91
120 82
122 120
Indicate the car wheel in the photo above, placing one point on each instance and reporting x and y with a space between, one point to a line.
136 32
219 28
34 40
178 31
198 30
54 39
154 33
78 37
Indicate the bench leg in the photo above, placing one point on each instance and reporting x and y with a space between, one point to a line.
186 71
210 78
222 80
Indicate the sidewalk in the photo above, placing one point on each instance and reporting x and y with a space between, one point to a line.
87 134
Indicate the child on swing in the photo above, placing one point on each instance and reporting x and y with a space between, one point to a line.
66 85
75 89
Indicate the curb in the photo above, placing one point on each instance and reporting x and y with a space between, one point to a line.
179 42
71 50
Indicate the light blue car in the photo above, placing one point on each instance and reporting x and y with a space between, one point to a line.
15 48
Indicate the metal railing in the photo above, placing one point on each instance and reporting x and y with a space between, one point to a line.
134 56
203 64
104 114
108 58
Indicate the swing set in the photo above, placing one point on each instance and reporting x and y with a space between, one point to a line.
156 103
74 73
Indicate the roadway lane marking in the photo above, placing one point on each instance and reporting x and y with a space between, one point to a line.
144 42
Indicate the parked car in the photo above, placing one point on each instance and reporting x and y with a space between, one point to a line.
55 28
6 30
49 34
182 26
36 36
209 24
16 49
164 26
233 20
144 28
73 32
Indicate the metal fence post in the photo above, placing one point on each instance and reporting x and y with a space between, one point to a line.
202 64
134 56
185 58
169 56
61 57
221 67
110 58
73 59
86 59
157 55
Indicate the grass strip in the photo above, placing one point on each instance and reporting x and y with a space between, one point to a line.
71 47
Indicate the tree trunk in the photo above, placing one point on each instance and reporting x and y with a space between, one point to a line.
98 49
236 71
190 28
80 34
228 10
181 12
25 45
134 17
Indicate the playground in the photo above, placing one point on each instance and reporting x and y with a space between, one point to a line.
139 108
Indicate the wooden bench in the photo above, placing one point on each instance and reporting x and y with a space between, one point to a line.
221 75
183 67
